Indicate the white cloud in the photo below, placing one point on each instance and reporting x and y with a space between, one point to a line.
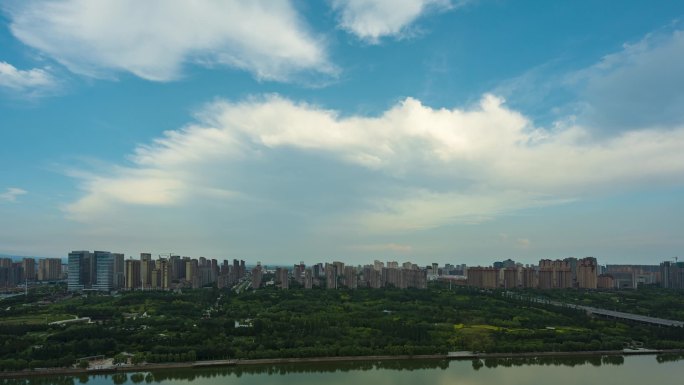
155 39
370 20
418 167
26 82
11 194
524 243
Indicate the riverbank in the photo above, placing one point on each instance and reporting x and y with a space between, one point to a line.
278 361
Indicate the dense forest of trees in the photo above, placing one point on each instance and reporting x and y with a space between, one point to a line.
209 323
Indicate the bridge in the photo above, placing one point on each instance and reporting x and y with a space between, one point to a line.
627 316
604 312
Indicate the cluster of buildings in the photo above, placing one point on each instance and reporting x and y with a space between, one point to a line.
336 275
17 273
583 273
631 276
107 271
549 274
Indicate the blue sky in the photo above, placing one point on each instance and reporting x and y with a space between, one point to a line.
279 131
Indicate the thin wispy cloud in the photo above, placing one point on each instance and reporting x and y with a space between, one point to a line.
26 83
639 85
11 194
636 86
156 39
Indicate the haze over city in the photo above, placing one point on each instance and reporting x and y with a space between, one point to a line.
425 131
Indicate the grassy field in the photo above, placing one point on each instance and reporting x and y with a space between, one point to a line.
35 319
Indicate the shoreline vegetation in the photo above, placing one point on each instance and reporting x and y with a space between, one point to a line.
460 356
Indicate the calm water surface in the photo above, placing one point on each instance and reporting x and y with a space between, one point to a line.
642 370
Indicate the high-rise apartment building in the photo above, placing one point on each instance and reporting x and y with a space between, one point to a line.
308 279
214 270
372 278
256 276
29 266
330 276
672 275
510 278
317 270
133 274
11 273
391 276
167 273
177 272
192 273
282 278
529 278
298 272
119 271
146 267
484 277
350 278
605 281
235 271
572 262
49 269
554 274
414 277
587 273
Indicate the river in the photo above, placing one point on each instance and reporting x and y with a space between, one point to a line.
557 371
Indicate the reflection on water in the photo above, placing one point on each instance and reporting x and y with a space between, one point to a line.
283 369
396 366
319 367
662 358
52 380
548 360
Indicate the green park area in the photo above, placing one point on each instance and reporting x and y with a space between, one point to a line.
208 324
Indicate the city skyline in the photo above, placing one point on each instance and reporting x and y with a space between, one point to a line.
105 271
251 263
423 130
361 261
